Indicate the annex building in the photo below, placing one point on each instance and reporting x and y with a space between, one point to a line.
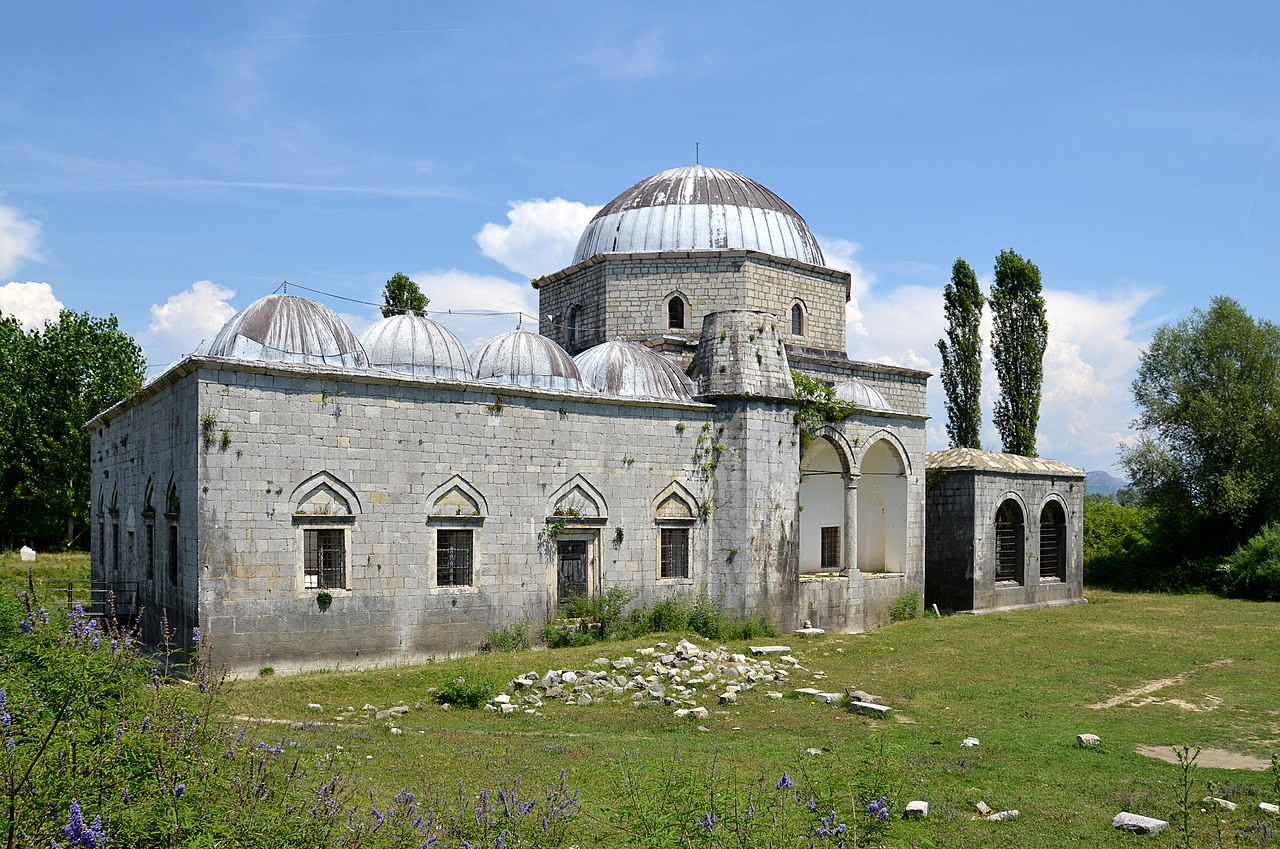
313 499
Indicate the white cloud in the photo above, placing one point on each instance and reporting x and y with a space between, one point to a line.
186 319
456 297
540 237
19 240
839 254
32 304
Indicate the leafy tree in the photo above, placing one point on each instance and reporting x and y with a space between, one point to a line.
1019 333
1208 458
401 295
962 357
57 378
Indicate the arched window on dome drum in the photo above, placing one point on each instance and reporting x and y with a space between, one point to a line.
573 325
1053 542
797 320
1010 548
675 313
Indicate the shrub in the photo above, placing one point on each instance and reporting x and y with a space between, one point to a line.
1253 570
513 638
1118 547
466 691
904 607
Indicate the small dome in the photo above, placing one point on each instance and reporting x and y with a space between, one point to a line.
698 209
415 346
630 370
521 358
288 329
860 395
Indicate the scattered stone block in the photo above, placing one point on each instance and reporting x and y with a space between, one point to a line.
813 751
871 709
1001 816
1138 824
314 706
1088 740
698 713
863 696
983 808
1269 808
501 698
681 713
917 810
569 677
368 706
773 694
397 730
810 632
584 700
770 649
807 691
1221 803
27 554
729 697
970 741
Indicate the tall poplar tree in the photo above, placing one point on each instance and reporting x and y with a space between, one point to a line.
1019 333
962 357
401 295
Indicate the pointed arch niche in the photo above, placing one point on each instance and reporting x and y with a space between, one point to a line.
828 497
324 512
882 509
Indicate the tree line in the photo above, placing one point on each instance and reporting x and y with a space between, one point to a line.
1204 471
55 378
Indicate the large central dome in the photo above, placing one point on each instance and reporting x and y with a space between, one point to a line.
698 209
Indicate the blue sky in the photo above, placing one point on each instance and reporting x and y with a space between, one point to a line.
172 164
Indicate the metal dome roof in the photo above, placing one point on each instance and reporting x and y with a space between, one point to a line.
630 370
859 394
698 209
415 346
521 358
288 329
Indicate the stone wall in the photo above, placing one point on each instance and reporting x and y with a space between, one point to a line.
635 289
143 457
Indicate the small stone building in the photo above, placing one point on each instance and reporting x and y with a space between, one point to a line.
312 499
1003 531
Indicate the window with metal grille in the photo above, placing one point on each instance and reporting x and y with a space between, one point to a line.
675 553
453 558
675 314
1053 542
797 320
1009 546
831 547
173 554
150 542
115 547
324 558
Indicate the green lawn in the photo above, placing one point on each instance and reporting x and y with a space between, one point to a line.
1022 683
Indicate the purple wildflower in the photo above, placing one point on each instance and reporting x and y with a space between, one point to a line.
25 627
179 790
785 782
82 835
707 822
195 635
377 815
124 795
146 723
44 616
879 808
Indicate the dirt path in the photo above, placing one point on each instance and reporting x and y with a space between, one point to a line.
1154 686
1214 758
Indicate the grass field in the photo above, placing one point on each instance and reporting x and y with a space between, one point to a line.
1137 670
1023 683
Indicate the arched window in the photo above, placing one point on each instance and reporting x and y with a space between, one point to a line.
1009 542
675 313
797 320
1053 542
573 324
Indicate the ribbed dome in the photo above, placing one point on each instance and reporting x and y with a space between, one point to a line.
415 346
630 370
859 394
288 329
698 209
521 358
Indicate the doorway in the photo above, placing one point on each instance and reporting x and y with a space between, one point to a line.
571 569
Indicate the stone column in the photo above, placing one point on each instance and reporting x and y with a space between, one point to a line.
851 523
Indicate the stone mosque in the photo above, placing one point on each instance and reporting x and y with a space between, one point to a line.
310 499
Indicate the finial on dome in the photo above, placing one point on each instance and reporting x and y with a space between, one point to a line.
697 153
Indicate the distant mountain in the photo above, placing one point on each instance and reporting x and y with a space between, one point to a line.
1102 483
